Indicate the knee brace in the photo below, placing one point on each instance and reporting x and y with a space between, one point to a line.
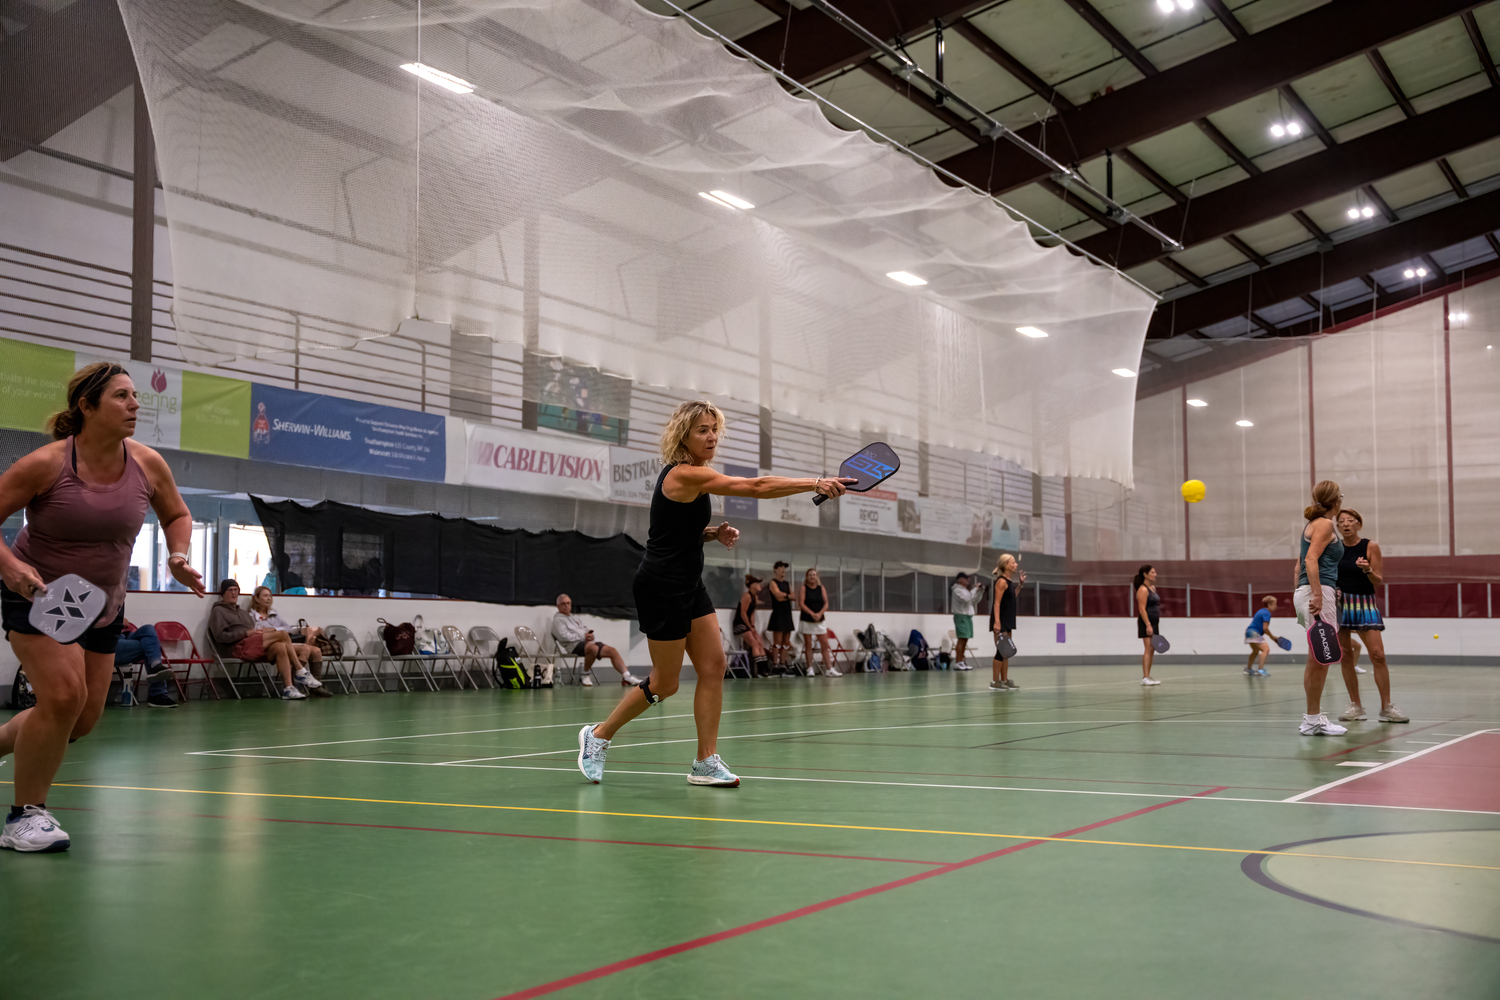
645 687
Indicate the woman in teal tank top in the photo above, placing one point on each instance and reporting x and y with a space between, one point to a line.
1315 597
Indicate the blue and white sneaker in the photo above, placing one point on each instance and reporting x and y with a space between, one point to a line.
711 771
591 753
1263 673
34 831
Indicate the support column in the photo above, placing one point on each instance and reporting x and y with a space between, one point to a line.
1448 430
1187 508
143 237
531 317
766 373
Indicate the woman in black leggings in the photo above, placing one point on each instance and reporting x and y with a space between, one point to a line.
671 602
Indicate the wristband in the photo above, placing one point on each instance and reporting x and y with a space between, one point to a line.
179 555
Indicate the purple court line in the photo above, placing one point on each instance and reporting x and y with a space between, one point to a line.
524 836
1388 739
828 904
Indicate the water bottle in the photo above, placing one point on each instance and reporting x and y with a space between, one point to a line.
125 696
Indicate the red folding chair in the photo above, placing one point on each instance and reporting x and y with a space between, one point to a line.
837 649
170 634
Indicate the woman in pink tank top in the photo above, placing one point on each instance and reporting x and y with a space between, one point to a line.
85 496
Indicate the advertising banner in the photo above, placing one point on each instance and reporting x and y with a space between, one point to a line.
876 512
632 475
33 384
797 509
303 428
937 520
528 462
1055 534
745 507
158 422
215 415
1005 530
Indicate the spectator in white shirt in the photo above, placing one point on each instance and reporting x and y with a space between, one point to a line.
575 638
966 595
309 673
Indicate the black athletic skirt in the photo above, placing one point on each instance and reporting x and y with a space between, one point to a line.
667 615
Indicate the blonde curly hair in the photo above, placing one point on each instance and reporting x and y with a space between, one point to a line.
684 419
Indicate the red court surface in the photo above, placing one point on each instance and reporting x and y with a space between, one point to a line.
1463 774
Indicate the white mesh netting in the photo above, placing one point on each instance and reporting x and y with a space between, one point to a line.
557 206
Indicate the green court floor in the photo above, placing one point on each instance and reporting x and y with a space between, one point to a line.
905 835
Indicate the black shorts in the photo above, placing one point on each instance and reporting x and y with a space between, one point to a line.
14 609
580 649
1140 627
667 615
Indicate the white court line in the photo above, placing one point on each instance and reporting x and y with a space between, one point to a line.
1358 763
1428 742
1391 763
1396 751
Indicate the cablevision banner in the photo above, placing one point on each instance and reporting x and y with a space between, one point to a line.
528 462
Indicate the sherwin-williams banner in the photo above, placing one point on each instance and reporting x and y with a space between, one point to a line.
33 384
632 475
301 428
216 415
528 462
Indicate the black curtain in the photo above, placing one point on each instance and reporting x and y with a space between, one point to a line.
350 550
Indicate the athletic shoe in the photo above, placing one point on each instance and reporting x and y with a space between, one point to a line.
1320 726
162 700
711 771
962 666
1359 669
1249 672
1011 684
291 694
999 686
306 679
1263 673
629 679
1149 682
34 831
320 692
1393 714
156 670
591 753
1353 714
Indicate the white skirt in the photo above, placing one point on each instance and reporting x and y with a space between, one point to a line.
811 628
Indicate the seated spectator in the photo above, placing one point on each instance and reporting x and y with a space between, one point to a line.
140 645
573 637
266 619
234 632
744 625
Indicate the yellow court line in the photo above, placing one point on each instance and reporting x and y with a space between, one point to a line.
777 822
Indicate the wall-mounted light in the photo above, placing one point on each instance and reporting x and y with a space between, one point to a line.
1457 317
1243 423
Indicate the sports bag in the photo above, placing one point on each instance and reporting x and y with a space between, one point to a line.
424 640
401 639
330 648
916 649
508 672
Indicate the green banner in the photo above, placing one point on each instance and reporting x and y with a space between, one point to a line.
33 384
215 415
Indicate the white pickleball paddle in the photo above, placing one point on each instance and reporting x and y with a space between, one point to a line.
66 608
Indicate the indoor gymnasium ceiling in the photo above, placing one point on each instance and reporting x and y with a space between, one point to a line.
1397 104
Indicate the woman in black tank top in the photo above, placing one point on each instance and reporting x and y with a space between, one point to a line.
1360 572
671 602
813 600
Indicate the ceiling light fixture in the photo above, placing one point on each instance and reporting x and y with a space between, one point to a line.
1031 331
1367 212
733 200
1243 423
905 278
1165 5
445 80
1279 129
1185 4
709 196
1457 317
1353 213
1123 372
1196 402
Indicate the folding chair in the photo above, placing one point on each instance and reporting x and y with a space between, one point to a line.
529 647
571 663
484 642
259 670
736 660
172 635
354 656
458 651
836 649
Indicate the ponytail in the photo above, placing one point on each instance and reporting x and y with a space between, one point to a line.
1325 497
86 386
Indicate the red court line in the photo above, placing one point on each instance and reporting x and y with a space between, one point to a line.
1464 775
523 836
828 904
1394 736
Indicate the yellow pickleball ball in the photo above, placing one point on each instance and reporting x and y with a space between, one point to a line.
1193 490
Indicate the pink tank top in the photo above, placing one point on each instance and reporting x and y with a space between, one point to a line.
76 527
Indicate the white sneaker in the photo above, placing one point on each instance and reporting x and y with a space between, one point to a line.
588 680
711 771
1352 714
628 679
962 666
591 753
34 831
306 679
292 694
1359 669
833 672
1320 726
1149 682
